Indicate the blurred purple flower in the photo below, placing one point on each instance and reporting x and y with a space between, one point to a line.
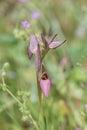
25 24
78 128
22 1
64 62
85 106
35 15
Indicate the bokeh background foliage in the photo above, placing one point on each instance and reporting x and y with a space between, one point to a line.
67 65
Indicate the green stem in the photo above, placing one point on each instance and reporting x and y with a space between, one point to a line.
40 96
35 124
39 93
43 56
21 104
13 96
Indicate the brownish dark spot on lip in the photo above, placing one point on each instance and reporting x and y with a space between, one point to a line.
44 76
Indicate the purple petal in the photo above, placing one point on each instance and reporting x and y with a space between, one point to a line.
25 24
33 44
45 84
35 15
38 59
54 45
29 53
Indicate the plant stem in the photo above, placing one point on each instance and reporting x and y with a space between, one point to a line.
39 90
35 124
21 104
44 55
13 96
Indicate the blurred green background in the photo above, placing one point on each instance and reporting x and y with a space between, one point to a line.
67 65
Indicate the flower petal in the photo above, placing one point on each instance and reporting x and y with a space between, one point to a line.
54 45
45 84
38 59
45 87
29 53
33 44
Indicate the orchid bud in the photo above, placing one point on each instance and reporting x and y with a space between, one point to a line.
45 84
